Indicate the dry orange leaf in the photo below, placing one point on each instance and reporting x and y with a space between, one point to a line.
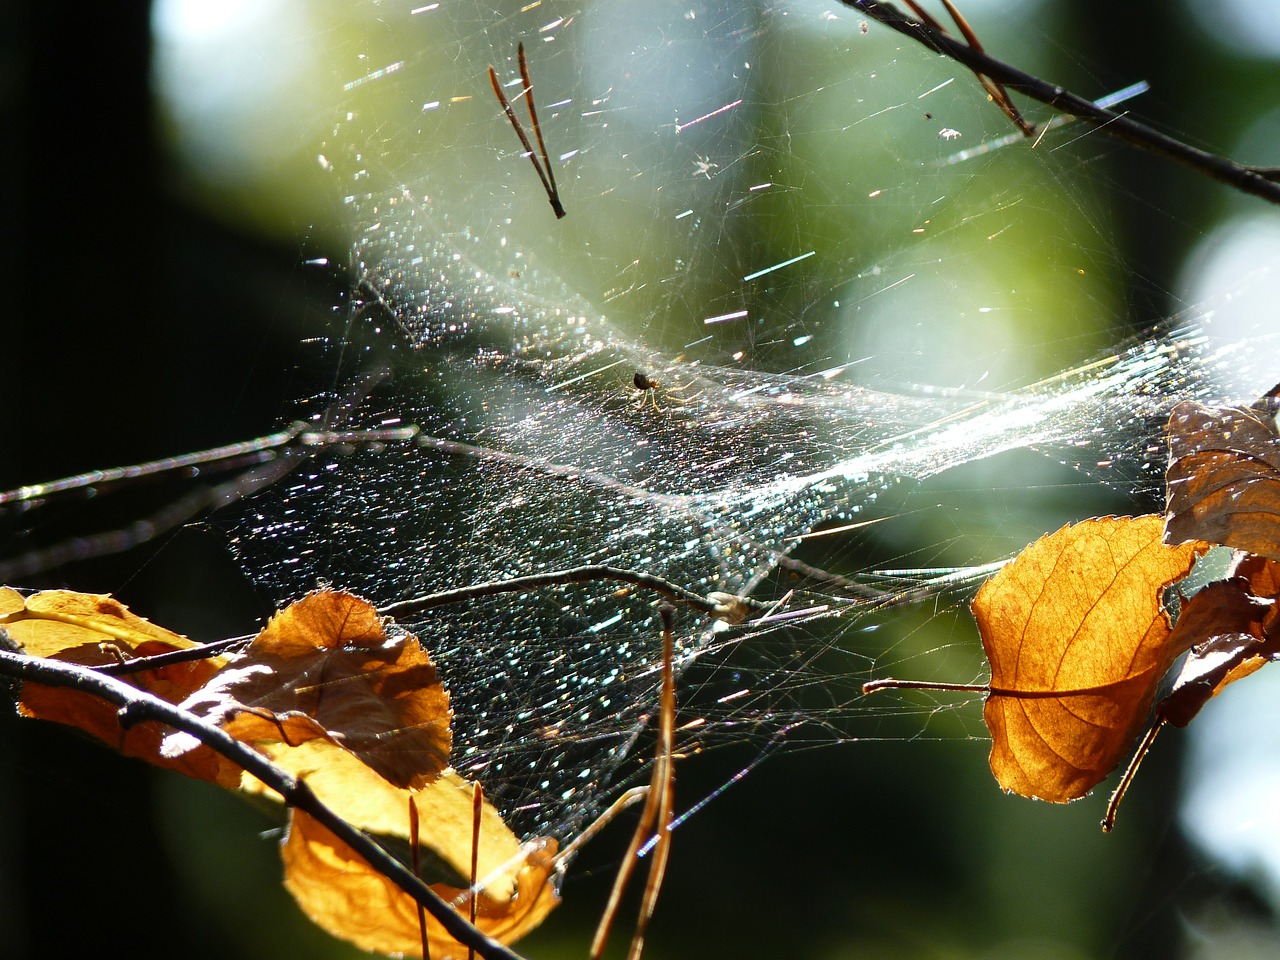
97 630
345 896
368 801
1077 641
342 894
1223 480
325 667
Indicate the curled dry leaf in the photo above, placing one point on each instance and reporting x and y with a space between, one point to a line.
1077 642
346 897
325 667
1223 480
97 630
1232 629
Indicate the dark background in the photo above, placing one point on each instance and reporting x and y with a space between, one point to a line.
141 324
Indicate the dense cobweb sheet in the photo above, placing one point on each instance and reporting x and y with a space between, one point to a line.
763 223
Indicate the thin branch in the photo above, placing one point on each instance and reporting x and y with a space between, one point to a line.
994 90
154 662
728 607
137 706
718 605
263 462
1251 180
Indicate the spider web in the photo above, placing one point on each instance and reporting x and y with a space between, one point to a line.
767 215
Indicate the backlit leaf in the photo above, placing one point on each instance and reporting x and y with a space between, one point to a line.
1077 641
1223 480
97 630
325 667
368 801
345 896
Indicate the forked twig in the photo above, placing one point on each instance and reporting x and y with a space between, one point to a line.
655 819
1257 182
545 173
995 91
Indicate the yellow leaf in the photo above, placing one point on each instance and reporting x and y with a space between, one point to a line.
342 894
1077 641
96 630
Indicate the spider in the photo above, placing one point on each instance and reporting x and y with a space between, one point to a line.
649 387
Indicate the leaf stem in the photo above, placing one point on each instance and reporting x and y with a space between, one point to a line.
1113 805
889 683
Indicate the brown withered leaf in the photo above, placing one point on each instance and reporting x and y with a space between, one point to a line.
325 667
1077 641
1223 628
1223 480
97 630
342 894
1263 574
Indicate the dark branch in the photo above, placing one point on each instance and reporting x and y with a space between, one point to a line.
138 706
1256 181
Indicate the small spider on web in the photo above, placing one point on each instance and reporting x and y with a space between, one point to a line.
648 386
703 166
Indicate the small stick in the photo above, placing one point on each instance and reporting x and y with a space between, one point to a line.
416 857
546 176
657 810
664 774
994 90
477 805
537 131
1113 805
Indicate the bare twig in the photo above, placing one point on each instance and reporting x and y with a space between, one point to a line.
1251 180
262 461
137 706
718 605
728 607
545 173
994 90
655 819
416 862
